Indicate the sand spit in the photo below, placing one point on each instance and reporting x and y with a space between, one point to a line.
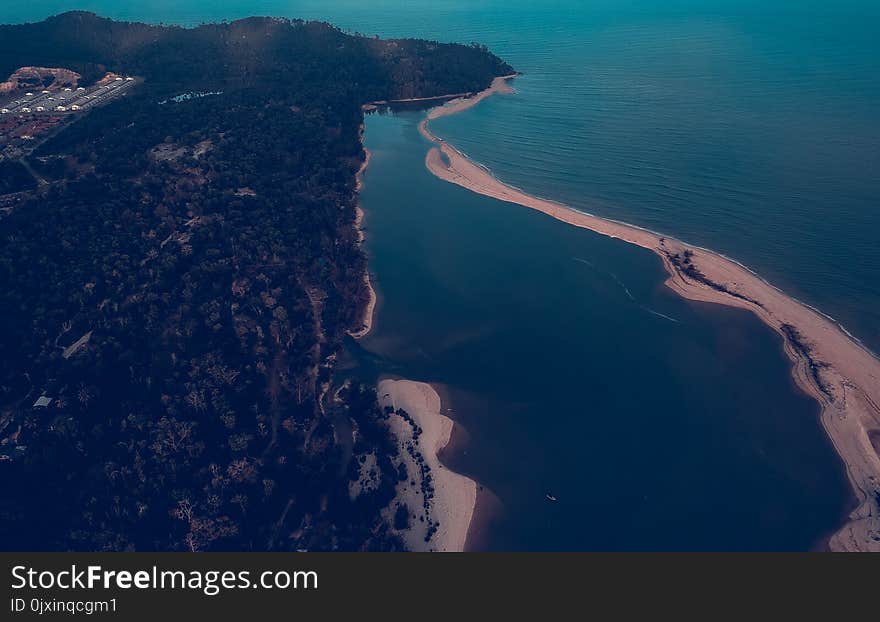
448 514
370 309
827 363
462 103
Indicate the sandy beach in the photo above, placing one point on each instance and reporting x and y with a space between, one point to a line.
370 309
462 103
454 496
827 363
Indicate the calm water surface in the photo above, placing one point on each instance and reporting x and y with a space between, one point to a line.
752 128
657 423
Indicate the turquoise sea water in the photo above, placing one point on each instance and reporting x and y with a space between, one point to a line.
750 128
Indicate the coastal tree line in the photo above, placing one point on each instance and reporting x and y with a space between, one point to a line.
177 294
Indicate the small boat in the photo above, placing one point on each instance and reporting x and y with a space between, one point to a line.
551 498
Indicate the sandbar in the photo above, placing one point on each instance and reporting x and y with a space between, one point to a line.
449 508
828 363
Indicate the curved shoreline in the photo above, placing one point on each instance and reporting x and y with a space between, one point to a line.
828 364
455 496
455 103
450 509
370 309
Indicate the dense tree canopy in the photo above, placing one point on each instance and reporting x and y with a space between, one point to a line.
179 288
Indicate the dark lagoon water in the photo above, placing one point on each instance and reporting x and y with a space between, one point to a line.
749 127
657 423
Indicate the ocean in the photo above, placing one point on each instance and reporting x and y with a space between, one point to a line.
751 128
745 126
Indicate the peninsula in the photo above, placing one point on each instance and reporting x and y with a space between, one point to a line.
182 264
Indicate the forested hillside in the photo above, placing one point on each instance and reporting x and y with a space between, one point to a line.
178 287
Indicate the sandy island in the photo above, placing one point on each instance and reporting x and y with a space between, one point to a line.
449 512
828 364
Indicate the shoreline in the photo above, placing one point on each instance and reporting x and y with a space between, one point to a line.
461 103
451 498
455 102
828 363
370 309
410 100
